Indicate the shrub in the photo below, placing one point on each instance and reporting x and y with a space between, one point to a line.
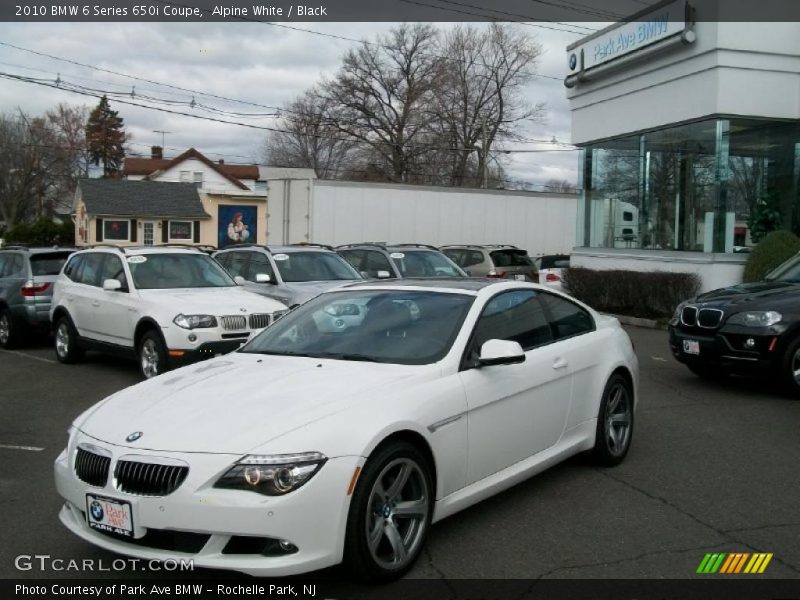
776 248
42 232
651 295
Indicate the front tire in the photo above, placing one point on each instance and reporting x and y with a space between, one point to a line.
152 353
390 513
614 422
790 369
66 342
8 330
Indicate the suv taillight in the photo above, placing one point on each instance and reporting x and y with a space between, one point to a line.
496 274
31 288
552 278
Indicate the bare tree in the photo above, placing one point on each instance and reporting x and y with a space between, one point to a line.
561 186
380 95
68 129
309 139
480 97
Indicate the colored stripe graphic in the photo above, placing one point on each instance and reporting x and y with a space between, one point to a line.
734 563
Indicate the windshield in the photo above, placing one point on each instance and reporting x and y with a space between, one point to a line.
788 271
425 263
389 326
510 258
184 270
313 266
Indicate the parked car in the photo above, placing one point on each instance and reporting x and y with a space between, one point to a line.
551 269
26 289
167 306
290 274
310 446
394 261
752 328
501 261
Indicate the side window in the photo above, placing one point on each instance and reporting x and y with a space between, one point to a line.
566 318
73 267
3 263
259 263
113 269
475 257
92 269
517 316
457 256
355 258
237 264
14 265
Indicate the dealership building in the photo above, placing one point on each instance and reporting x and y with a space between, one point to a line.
687 127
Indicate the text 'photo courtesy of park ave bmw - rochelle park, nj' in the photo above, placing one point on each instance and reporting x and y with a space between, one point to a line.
393 299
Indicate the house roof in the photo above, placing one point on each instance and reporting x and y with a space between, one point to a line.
119 197
152 167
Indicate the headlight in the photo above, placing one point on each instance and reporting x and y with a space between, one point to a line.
280 313
756 318
340 310
195 321
274 475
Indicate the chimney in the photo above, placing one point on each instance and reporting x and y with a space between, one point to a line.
222 161
156 152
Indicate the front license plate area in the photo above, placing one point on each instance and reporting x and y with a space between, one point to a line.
109 515
691 347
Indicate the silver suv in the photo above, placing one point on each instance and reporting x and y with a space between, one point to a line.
27 276
376 260
500 261
291 274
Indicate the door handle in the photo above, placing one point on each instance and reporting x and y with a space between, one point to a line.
560 363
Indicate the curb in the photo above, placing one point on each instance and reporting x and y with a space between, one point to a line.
639 322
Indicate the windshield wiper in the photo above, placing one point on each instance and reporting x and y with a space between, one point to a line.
277 353
345 356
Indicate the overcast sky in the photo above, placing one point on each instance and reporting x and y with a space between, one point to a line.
256 62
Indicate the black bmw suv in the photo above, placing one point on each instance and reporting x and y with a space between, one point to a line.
752 328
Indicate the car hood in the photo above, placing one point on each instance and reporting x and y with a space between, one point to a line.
302 291
235 403
214 301
752 296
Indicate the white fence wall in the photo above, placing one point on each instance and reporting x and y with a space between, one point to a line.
348 212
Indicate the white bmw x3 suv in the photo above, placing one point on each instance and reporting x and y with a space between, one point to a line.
341 432
168 306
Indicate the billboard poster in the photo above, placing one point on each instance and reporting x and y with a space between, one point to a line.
236 225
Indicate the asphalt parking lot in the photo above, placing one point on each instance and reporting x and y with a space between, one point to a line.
713 468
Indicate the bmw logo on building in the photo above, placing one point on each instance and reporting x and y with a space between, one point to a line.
134 436
573 61
97 511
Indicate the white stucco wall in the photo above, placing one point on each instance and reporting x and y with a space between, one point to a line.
213 182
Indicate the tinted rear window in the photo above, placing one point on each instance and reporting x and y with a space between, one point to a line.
554 262
49 263
510 258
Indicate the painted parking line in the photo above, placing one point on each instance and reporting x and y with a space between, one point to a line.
13 447
26 355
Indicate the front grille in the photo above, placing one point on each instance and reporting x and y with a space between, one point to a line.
234 322
148 479
92 468
260 320
709 318
689 316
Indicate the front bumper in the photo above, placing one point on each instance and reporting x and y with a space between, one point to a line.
313 518
727 348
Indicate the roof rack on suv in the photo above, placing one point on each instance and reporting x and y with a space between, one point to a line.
500 246
115 246
248 245
415 246
16 247
177 245
377 244
312 245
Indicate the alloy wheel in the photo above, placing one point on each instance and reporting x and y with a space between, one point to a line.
618 419
62 340
149 358
796 366
5 329
397 513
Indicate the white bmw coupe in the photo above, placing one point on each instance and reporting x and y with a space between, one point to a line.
346 428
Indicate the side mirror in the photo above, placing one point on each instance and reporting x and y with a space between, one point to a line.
239 280
112 285
383 275
263 278
501 352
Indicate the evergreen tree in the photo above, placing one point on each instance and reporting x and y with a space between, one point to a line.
105 138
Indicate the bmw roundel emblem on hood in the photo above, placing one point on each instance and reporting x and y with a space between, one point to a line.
134 436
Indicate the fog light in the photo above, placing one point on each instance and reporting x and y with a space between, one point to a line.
749 343
192 337
287 546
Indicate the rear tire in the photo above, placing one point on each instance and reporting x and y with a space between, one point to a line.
790 369
614 423
8 330
67 346
390 513
152 353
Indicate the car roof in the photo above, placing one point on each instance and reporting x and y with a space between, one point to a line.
282 249
36 250
137 250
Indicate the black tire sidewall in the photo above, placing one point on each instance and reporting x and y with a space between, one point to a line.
357 556
12 330
601 454
786 374
161 348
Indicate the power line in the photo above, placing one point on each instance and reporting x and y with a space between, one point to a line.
591 10
510 14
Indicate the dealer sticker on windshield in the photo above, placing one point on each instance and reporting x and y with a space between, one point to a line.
135 260
280 256
397 255
109 515
691 346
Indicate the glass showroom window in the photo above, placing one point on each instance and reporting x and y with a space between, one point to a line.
181 231
116 230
